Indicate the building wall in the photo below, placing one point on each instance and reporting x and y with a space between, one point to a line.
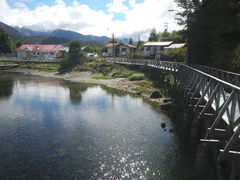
110 51
153 50
21 54
46 55
120 50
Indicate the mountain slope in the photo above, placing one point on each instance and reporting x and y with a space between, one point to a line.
58 36
12 32
60 33
77 36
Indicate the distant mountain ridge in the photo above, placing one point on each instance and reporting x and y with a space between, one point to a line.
60 33
57 36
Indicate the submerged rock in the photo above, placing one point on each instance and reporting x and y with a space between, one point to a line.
156 94
163 125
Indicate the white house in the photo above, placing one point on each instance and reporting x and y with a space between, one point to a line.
155 48
41 51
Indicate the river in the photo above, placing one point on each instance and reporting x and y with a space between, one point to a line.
54 129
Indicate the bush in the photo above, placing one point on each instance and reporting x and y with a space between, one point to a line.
122 74
177 54
137 54
136 77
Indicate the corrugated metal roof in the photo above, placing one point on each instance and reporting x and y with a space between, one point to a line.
111 44
40 47
116 44
177 45
161 43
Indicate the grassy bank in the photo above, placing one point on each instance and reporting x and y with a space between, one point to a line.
140 80
46 67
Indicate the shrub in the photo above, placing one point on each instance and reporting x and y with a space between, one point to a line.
177 54
136 77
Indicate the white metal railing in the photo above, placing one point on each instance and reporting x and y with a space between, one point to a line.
204 91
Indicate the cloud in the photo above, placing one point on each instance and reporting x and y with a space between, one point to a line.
139 17
132 3
144 16
117 6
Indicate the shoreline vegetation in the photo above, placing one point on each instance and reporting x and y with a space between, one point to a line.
139 81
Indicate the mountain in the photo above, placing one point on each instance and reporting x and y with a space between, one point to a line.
58 36
74 35
13 34
29 32
60 33
46 40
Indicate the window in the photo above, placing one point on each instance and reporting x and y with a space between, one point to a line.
147 48
161 48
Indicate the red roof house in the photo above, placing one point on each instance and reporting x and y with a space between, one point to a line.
40 50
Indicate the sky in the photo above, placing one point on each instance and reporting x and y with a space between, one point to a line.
123 18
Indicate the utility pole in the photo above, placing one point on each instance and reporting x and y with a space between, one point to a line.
113 48
165 27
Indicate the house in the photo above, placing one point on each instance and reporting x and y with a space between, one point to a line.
41 51
154 49
121 49
174 46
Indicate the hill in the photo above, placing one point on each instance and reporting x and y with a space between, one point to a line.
12 32
60 33
51 37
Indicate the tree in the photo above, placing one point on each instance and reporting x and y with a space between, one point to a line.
75 55
74 48
19 43
153 35
177 54
115 41
5 43
130 41
139 45
213 31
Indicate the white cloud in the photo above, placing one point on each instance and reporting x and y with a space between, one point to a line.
117 6
144 16
140 18
132 3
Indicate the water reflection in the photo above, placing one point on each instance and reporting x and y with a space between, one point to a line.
6 86
75 90
62 130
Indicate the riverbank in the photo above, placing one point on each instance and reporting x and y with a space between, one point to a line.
115 79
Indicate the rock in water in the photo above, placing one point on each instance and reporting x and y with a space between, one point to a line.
163 125
156 94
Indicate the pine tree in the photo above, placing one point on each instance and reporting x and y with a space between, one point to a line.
130 41
153 35
5 43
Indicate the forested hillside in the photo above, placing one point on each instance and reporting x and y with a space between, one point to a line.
213 31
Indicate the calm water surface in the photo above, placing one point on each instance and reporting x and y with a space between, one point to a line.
51 129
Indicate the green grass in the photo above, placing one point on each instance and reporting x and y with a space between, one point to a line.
102 77
6 63
136 77
145 87
47 67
